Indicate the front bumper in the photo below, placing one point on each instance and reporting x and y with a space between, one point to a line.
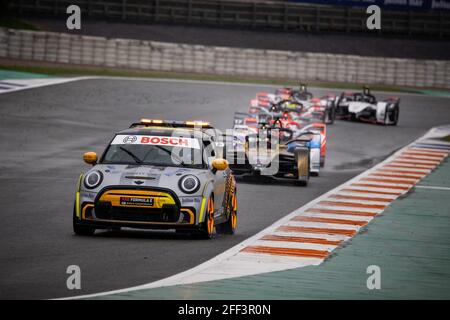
138 207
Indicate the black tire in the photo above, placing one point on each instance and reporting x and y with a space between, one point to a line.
322 162
229 227
207 227
79 229
393 116
303 167
330 114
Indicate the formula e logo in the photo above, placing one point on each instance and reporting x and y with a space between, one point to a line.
129 139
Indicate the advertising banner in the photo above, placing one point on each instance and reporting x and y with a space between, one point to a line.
422 5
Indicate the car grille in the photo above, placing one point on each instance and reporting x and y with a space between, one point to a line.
167 214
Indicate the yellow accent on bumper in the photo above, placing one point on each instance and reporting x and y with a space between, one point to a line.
83 212
191 214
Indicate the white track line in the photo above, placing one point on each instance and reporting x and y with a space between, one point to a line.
24 84
434 188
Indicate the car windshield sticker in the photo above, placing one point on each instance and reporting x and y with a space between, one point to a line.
157 140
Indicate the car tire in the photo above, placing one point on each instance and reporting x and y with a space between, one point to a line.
229 227
207 227
330 115
302 159
322 161
79 229
393 116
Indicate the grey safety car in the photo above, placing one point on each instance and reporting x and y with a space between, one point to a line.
158 175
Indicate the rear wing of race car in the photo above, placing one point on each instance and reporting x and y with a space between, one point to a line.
316 127
239 118
393 100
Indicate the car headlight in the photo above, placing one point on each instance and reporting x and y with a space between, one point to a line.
93 179
189 184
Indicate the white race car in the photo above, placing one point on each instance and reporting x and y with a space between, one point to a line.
365 107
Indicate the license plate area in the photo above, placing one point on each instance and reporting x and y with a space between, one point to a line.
136 201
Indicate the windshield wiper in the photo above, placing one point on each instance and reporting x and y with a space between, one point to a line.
172 155
131 154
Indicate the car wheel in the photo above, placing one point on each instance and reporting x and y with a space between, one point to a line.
322 161
303 172
79 229
229 227
330 115
207 229
393 117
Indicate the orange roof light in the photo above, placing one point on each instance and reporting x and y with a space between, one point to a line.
152 121
197 123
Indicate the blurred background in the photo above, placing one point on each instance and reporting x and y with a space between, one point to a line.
330 37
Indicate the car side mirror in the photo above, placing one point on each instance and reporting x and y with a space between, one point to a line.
90 158
219 164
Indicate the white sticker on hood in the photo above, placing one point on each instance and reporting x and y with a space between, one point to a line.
157 140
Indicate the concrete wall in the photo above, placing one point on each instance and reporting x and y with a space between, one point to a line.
160 56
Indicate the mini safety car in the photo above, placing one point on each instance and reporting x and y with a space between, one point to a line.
158 175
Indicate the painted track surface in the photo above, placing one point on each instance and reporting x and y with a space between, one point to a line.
46 130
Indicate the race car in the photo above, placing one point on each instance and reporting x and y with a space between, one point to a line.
301 124
293 117
158 175
363 106
271 148
287 115
251 135
322 108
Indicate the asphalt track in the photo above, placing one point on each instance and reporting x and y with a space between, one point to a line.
44 131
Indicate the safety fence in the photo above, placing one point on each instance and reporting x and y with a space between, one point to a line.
160 56
243 14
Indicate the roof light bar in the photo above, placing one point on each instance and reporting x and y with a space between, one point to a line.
197 123
146 121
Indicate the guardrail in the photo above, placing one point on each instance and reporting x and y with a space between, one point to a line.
160 56
254 15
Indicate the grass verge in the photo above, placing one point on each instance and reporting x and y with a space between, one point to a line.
13 23
446 138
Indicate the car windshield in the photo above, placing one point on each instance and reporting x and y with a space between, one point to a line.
155 150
